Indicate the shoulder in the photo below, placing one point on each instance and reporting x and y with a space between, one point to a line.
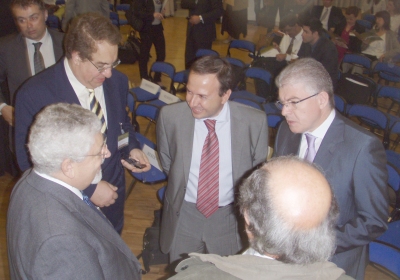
56 34
10 40
238 109
175 110
354 132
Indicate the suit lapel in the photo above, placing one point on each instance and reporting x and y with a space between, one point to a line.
57 47
21 48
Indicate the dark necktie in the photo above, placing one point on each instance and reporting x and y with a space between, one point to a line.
208 188
38 61
325 14
290 48
310 153
96 108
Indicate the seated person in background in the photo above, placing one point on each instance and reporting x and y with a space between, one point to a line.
301 8
329 15
344 31
290 214
387 48
372 6
393 7
53 230
267 16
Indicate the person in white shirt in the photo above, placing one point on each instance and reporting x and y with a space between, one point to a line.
393 7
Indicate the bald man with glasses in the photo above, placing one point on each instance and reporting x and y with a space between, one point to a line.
86 76
352 158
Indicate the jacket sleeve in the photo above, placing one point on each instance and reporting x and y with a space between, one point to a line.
143 9
162 144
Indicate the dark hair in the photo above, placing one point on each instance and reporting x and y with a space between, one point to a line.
315 25
215 65
289 20
386 19
396 4
26 3
352 10
85 31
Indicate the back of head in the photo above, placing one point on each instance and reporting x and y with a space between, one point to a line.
61 131
386 18
217 66
26 3
352 10
86 31
310 73
290 211
314 24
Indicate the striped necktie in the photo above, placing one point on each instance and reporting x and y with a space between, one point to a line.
310 153
96 108
38 61
208 188
91 205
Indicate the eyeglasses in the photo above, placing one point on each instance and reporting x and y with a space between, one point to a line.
104 68
291 104
103 151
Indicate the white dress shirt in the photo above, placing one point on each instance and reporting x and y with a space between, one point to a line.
319 133
46 49
82 92
325 21
285 42
65 185
223 130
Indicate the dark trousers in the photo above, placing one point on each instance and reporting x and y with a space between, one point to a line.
156 37
193 44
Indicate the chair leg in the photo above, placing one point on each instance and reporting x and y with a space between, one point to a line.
130 188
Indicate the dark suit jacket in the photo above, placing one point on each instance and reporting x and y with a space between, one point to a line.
175 143
335 17
354 43
354 163
52 86
14 61
210 10
52 234
325 52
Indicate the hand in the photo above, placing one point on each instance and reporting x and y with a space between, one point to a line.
105 194
158 16
281 57
194 20
8 114
276 46
138 155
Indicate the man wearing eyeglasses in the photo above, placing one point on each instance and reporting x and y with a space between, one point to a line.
353 159
86 77
53 231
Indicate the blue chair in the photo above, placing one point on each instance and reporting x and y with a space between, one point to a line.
181 78
270 108
365 23
111 6
114 18
358 60
53 22
341 104
148 111
369 17
274 120
393 94
262 80
388 72
204 52
372 118
161 194
394 184
167 70
384 252
153 176
131 105
238 69
242 45
394 128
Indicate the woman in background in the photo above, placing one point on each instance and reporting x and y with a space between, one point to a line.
152 32
393 7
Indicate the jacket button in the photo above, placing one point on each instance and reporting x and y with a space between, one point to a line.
184 267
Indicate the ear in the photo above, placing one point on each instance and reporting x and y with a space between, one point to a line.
246 224
46 14
76 59
226 96
67 168
323 99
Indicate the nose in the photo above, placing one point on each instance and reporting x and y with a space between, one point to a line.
285 110
107 72
192 101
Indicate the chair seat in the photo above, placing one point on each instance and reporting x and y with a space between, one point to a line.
142 95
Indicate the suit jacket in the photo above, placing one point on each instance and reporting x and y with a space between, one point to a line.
354 43
210 10
14 60
325 52
335 17
175 130
52 86
354 163
52 234
77 7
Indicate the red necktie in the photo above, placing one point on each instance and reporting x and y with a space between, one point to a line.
208 189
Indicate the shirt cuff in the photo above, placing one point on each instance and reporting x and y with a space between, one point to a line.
2 105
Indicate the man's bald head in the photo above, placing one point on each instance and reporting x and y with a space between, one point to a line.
290 211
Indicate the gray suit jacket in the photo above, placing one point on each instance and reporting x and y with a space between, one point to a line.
354 163
175 130
14 60
52 234
77 7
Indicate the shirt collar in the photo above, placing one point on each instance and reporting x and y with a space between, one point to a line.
44 40
320 131
253 252
223 116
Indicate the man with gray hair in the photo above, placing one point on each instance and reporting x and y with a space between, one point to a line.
53 230
352 158
290 213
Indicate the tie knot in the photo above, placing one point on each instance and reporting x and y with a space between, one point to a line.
91 91
37 45
310 139
210 124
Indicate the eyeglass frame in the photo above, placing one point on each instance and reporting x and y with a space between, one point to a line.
102 69
281 105
103 151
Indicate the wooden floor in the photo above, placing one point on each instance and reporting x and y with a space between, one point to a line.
142 201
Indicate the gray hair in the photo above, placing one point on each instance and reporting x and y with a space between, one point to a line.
272 234
310 73
61 131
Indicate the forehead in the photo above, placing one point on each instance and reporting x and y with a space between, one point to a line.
203 82
105 52
20 11
292 91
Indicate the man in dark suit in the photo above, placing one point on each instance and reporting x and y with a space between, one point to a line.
201 26
53 231
322 49
329 15
352 159
86 77
242 143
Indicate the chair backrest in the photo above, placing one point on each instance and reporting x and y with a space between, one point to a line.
340 104
274 120
131 103
123 7
357 59
393 177
242 45
370 115
388 71
365 23
114 18
369 17
166 69
389 92
204 52
258 73
247 95
148 110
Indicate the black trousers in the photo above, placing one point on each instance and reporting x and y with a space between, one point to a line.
193 44
156 37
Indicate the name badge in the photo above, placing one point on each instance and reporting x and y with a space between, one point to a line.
123 140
